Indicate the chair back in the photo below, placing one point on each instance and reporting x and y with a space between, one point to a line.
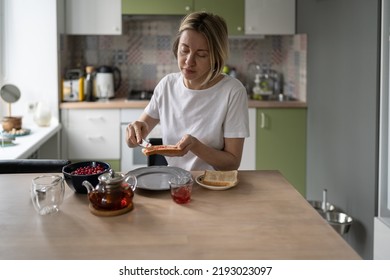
156 159
9 166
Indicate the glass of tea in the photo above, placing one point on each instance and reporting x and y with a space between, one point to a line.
181 188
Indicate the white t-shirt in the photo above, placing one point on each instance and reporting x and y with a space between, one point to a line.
210 115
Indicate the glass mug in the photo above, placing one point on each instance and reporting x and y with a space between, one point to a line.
181 189
47 193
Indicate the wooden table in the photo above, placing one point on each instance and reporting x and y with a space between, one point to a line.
263 217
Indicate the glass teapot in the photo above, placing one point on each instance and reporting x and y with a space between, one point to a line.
114 191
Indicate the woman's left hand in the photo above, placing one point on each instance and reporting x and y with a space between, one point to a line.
186 143
227 159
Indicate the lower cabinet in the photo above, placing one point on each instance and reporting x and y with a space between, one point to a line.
248 159
277 141
281 143
91 134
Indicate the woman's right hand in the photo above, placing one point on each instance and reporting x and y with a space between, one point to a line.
135 132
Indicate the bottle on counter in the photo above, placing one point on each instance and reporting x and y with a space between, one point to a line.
233 72
256 89
89 84
253 69
266 83
278 83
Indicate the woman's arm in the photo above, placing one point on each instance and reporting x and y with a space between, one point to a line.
229 158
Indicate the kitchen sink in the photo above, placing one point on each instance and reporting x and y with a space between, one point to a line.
276 98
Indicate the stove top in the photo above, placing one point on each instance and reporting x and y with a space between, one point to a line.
139 95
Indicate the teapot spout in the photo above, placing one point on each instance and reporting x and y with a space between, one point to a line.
88 186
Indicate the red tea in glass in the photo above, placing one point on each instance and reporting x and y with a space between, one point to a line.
181 195
181 188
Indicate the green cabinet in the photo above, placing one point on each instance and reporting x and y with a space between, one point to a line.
281 143
231 10
157 7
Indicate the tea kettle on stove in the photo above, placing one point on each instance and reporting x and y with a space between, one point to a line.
107 81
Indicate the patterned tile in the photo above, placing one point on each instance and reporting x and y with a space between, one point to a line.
143 53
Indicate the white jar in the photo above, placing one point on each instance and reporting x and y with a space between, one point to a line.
42 114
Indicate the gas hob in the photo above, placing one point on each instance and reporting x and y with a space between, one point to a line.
139 95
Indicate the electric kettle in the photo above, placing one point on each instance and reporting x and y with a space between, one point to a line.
107 81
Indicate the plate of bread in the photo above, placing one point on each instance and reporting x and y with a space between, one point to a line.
218 180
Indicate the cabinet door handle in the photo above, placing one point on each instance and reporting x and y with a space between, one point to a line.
96 138
262 121
94 119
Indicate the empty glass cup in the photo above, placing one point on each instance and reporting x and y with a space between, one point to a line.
47 193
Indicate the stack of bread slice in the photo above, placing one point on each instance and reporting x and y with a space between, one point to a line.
220 178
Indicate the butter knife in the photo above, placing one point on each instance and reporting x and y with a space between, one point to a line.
145 144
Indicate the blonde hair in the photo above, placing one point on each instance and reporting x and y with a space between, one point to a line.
214 29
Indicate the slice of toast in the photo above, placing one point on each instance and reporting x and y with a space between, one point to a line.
220 178
169 150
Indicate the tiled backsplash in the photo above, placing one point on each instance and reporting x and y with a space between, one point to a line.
143 54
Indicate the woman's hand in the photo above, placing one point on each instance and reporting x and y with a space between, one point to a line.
138 130
228 158
186 143
135 132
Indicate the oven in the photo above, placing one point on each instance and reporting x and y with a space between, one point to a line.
132 158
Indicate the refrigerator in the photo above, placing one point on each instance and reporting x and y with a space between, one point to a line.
382 219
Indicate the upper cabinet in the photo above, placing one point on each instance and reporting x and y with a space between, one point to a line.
93 17
231 10
157 7
269 17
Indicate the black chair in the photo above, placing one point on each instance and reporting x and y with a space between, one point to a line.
9 166
156 159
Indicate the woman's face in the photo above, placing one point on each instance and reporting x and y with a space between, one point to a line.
193 58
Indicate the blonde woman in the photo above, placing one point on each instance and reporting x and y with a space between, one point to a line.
202 111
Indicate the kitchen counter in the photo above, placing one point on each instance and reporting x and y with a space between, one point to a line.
263 217
122 103
28 144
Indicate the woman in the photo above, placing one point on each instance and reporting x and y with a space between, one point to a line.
201 110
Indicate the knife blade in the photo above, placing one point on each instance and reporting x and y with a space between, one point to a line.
145 144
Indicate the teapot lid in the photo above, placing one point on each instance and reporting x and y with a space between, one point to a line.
111 177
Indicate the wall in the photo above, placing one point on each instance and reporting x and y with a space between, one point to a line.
1 47
30 47
143 54
342 101
382 221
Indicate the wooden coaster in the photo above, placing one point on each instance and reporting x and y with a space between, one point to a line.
107 213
